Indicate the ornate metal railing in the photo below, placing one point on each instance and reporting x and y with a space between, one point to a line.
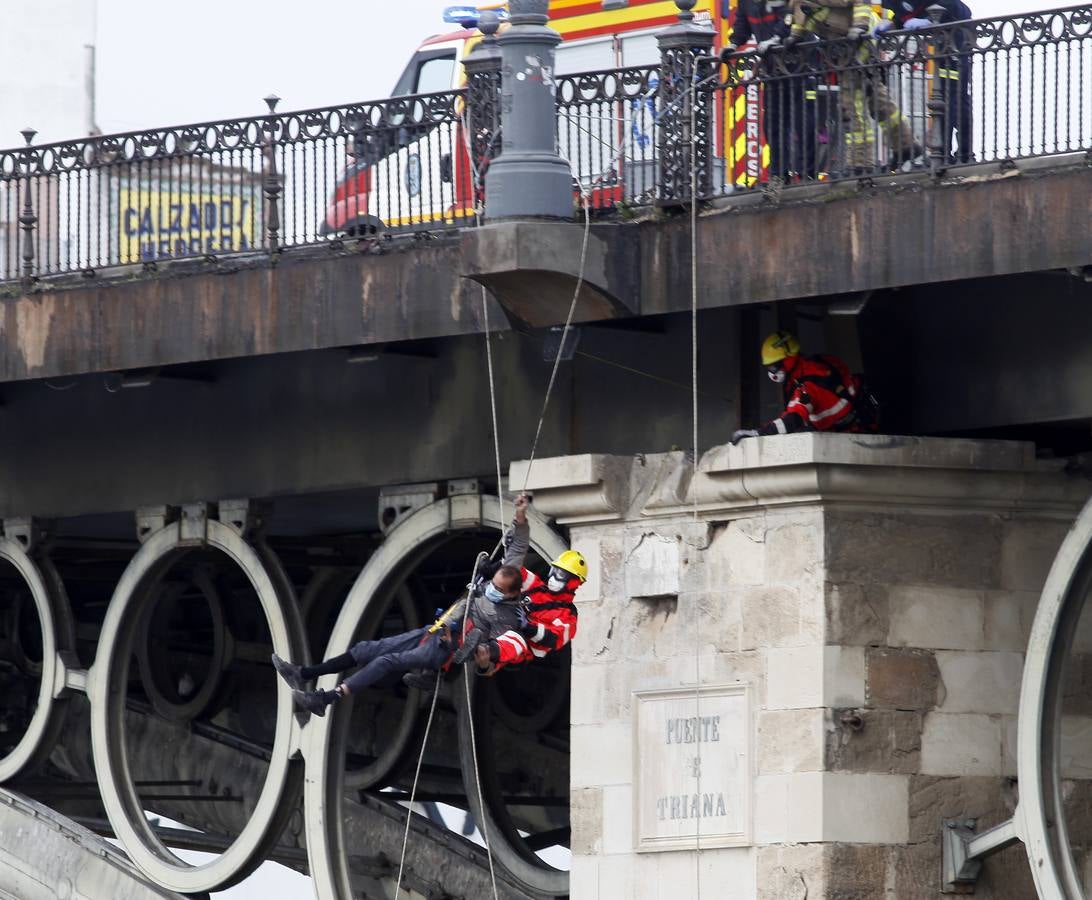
980 91
608 129
992 90
216 189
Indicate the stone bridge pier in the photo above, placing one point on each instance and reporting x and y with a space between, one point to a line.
855 610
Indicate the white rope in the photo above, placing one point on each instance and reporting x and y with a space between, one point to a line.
564 337
584 197
694 412
413 790
483 825
493 403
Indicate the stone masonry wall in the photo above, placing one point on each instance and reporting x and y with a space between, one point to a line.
882 641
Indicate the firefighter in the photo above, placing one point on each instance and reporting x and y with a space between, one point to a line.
789 102
495 608
551 616
864 95
953 71
821 393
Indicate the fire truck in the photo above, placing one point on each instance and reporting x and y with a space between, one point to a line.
400 181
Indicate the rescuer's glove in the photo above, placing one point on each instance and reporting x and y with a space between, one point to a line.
915 24
470 643
766 45
729 50
742 433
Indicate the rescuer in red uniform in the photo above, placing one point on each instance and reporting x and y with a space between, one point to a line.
514 617
551 616
821 394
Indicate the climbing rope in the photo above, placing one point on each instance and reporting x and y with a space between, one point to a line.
413 790
694 413
585 197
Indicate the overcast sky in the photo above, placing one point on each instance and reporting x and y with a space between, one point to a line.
168 63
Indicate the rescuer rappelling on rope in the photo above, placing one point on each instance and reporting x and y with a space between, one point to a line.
511 616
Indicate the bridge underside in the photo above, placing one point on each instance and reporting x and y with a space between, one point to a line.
321 381
335 372
202 715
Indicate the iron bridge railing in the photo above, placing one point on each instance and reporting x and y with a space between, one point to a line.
218 189
992 90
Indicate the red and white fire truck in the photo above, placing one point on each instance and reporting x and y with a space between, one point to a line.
404 182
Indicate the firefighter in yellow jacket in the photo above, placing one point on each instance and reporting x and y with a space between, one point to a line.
864 95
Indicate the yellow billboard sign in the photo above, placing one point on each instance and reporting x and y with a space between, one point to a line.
171 224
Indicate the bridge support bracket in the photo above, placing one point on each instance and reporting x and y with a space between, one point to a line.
194 527
396 502
963 852
27 532
150 519
243 516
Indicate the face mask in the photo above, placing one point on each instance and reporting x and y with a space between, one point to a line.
493 594
777 376
557 580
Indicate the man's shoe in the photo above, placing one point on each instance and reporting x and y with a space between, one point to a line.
312 701
290 672
423 681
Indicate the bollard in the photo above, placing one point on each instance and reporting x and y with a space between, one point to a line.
529 177
271 179
680 47
27 217
938 106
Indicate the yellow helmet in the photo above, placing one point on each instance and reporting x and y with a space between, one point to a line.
574 563
779 345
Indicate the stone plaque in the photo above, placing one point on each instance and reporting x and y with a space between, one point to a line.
692 768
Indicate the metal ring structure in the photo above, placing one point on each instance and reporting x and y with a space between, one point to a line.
107 690
505 842
151 666
392 755
409 541
58 635
1041 815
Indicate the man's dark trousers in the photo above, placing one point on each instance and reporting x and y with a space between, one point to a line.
398 653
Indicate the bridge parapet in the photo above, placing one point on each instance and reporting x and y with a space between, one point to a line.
193 196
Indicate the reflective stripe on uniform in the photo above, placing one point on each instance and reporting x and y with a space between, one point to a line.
809 95
948 73
515 641
539 632
833 411
780 426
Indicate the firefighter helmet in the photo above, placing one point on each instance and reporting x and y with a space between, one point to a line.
574 563
779 345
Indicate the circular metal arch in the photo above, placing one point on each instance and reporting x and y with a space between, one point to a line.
374 772
107 690
1041 816
478 775
58 634
409 541
152 675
